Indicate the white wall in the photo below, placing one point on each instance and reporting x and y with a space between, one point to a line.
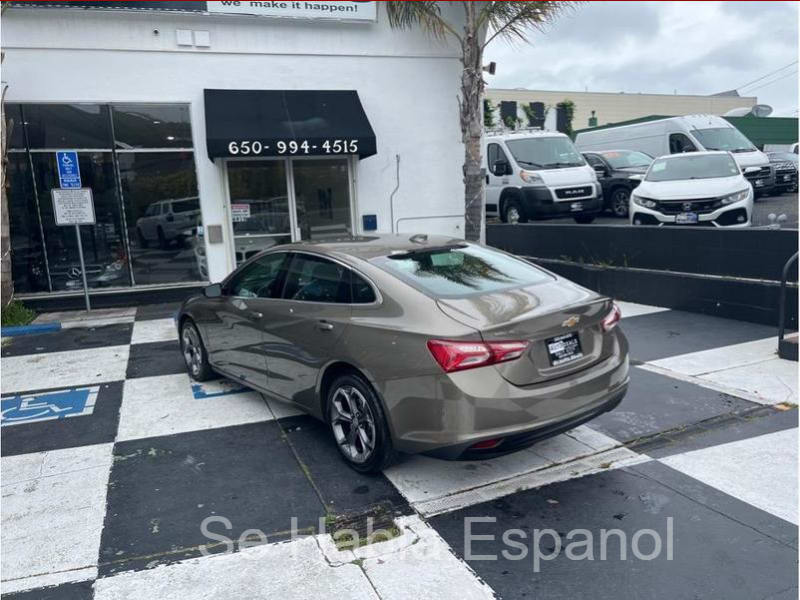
406 82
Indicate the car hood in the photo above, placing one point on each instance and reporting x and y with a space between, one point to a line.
568 176
630 170
756 158
691 188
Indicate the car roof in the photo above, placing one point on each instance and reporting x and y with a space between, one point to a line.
690 154
368 247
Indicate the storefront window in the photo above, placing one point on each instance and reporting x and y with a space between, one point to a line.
27 253
103 244
163 215
322 189
68 126
145 196
151 126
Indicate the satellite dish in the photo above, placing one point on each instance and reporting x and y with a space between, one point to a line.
759 110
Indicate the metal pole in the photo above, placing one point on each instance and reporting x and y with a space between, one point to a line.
83 267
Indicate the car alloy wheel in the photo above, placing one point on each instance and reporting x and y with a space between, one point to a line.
353 424
192 350
619 203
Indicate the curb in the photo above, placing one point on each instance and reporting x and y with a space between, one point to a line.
18 330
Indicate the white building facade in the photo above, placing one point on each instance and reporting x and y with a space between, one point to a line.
207 136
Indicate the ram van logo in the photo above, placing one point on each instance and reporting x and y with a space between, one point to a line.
571 322
574 192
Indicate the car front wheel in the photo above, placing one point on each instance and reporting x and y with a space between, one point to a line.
194 353
358 425
619 202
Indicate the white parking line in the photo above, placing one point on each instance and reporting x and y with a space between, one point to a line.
155 330
631 309
761 471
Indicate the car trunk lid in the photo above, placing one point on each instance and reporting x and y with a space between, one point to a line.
561 321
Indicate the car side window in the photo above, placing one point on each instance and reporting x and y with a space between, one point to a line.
679 142
316 279
494 153
262 278
361 291
593 160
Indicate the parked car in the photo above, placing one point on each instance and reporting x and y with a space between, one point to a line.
702 188
165 220
790 148
420 344
539 175
691 133
619 172
785 165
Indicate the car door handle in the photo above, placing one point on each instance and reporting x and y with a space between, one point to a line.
255 314
324 326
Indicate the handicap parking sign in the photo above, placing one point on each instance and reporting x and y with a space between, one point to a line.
46 406
69 172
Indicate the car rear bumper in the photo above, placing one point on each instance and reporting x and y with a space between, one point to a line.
445 415
538 203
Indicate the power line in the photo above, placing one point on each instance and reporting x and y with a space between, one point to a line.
758 87
765 76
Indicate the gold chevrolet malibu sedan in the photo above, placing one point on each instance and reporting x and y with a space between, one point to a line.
412 344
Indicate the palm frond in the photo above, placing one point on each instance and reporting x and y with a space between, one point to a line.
514 20
427 15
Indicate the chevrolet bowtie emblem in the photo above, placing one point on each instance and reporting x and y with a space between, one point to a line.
571 322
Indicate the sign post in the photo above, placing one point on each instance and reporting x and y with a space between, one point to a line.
73 205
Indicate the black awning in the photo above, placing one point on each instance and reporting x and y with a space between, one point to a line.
286 123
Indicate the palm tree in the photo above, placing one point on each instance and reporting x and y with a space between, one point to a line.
483 23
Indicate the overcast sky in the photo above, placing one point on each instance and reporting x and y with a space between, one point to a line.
660 47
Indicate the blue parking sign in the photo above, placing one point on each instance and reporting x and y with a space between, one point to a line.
18 409
69 173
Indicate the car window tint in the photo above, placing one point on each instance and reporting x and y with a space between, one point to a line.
316 279
361 291
259 279
593 160
461 271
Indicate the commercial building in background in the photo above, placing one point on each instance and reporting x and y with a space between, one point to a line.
600 108
208 131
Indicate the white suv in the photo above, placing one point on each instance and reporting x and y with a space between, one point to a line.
165 221
539 175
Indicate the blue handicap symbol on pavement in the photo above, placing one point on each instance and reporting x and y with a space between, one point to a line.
216 389
46 406
69 171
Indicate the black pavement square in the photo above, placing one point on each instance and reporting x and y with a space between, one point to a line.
162 490
155 358
94 419
81 590
674 332
150 312
343 489
656 403
76 338
719 547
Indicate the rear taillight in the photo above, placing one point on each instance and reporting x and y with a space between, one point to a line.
612 318
457 356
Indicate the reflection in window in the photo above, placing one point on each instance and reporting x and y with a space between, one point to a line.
151 126
322 189
162 211
68 126
27 253
103 243
14 132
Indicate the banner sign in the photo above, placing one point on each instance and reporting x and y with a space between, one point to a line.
298 9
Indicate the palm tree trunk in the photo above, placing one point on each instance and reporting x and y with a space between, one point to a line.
472 125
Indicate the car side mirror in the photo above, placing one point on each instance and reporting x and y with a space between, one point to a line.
751 170
601 171
500 168
213 291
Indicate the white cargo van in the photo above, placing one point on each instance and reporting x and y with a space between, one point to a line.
538 175
690 133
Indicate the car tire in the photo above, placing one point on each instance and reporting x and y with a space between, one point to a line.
194 352
513 213
162 240
140 238
351 402
584 219
620 202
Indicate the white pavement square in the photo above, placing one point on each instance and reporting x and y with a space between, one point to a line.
52 515
155 330
631 309
64 369
761 471
751 367
168 404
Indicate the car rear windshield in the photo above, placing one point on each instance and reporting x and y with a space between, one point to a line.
723 138
692 166
545 153
461 271
623 159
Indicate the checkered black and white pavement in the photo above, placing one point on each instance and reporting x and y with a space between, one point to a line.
123 479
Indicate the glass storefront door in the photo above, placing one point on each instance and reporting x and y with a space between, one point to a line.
278 201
